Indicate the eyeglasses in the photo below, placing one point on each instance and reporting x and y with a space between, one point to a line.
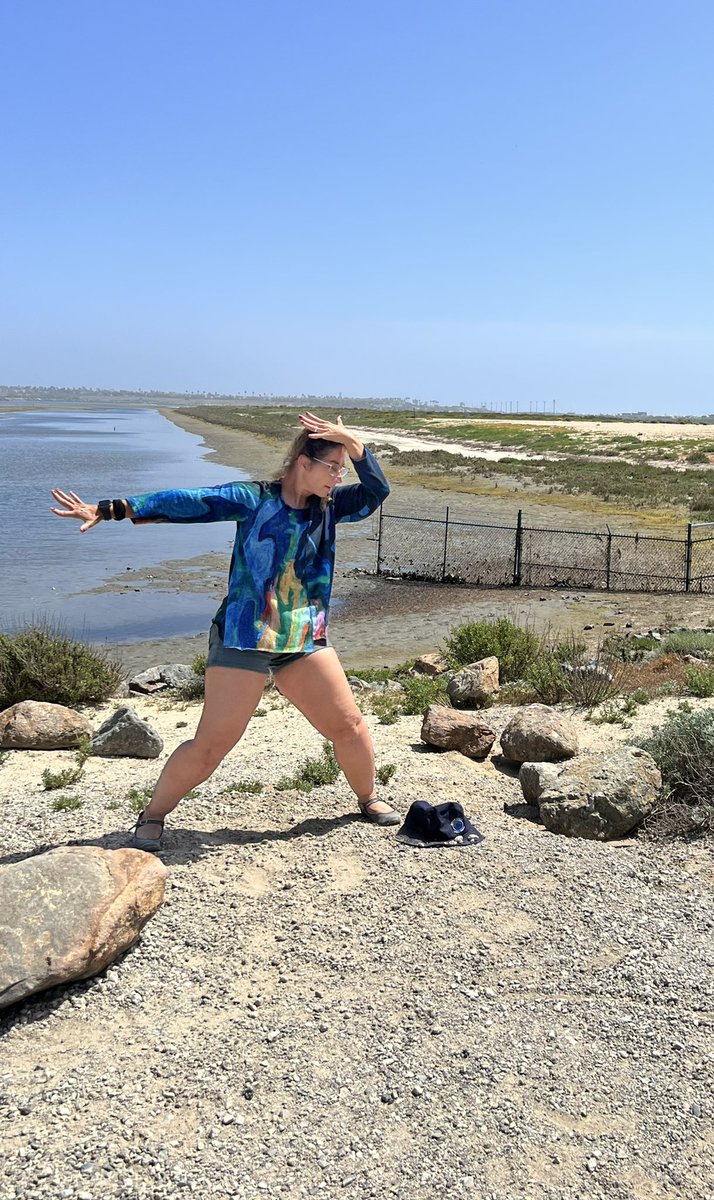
335 472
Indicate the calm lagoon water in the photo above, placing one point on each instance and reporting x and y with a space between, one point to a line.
46 564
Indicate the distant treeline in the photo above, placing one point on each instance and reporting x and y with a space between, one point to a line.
514 410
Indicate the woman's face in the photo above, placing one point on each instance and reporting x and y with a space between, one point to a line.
326 470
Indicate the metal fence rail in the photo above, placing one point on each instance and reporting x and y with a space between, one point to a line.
518 555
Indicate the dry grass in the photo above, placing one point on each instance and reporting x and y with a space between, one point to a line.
666 673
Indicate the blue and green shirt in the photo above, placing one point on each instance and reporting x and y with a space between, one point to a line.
283 558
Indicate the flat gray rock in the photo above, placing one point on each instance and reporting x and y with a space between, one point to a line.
125 735
160 679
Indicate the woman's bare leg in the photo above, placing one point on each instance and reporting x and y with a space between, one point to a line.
318 687
232 697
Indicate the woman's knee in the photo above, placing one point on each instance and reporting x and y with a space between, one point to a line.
208 753
347 725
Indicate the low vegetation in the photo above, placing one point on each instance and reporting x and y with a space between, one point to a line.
683 749
54 780
42 662
314 772
516 647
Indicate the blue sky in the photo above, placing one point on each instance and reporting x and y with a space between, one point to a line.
456 202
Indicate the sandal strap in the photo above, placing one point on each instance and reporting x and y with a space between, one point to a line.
367 804
142 820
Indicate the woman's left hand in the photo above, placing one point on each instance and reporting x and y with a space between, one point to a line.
332 431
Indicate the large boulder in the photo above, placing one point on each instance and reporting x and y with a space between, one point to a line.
159 679
451 730
475 684
125 735
538 734
36 725
68 913
600 795
535 777
431 664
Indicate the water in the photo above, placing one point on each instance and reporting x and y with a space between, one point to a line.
46 564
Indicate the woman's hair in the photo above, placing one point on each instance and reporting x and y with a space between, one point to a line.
304 444
313 448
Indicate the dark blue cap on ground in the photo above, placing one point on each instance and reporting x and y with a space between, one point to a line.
438 825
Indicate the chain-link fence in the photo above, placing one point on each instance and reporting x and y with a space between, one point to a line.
519 555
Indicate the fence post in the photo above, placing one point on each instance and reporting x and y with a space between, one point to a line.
379 541
446 540
608 559
518 549
688 560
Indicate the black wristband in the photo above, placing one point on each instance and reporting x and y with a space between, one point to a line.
105 509
119 508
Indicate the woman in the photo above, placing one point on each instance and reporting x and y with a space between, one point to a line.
274 617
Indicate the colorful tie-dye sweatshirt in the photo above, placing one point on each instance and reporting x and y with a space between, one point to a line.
283 558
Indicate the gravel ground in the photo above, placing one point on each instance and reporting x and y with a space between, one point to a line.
315 1012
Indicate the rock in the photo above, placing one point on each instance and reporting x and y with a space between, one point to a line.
124 734
68 913
601 795
431 664
538 734
534 777
158 679
35 725
451 730
357 684
475 684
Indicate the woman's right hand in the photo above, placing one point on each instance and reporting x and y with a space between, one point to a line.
72 506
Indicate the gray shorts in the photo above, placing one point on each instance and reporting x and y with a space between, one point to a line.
262 661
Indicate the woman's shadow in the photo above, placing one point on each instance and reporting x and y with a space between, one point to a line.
184 845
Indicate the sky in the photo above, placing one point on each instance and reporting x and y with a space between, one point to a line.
452 201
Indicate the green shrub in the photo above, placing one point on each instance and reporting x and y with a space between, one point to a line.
52 780
700 682
641 696
245 786
683 749
67 803
547 680
41 662
609 714
689 641
4 755
385 773
574 679
139 797
619 647
314 772
514 646
419 692
198 664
